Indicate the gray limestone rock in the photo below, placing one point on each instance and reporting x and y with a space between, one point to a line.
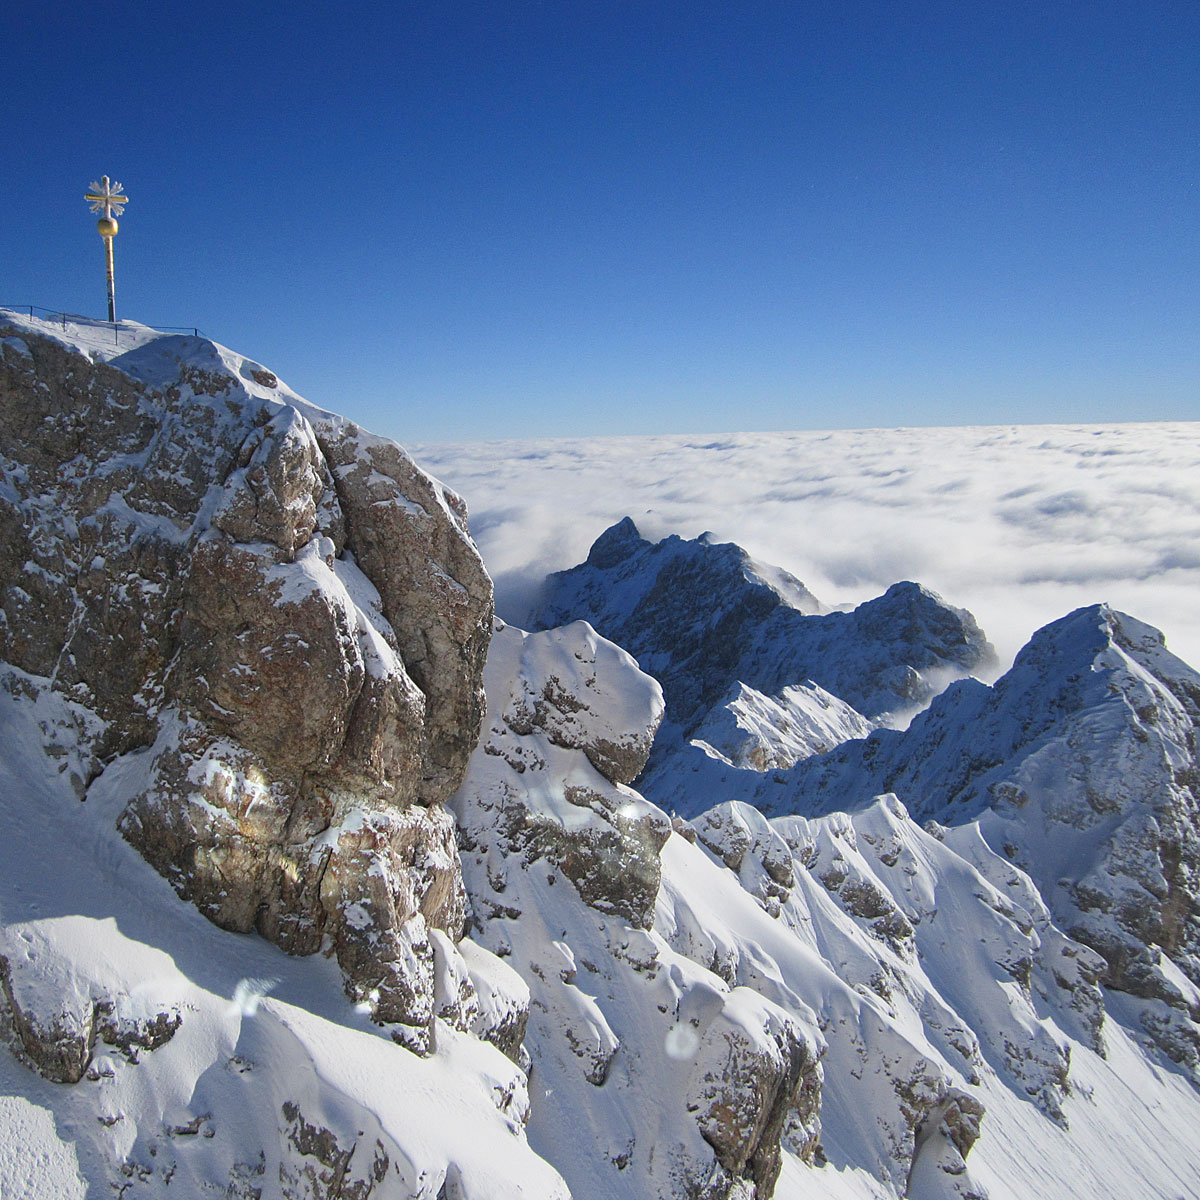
563 704
408 535
283 611
748 1085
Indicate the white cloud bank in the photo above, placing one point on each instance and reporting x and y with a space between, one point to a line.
1020 524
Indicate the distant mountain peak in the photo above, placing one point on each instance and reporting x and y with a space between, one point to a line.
615 544
709 622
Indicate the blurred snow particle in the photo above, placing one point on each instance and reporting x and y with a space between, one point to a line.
247 994
682 1042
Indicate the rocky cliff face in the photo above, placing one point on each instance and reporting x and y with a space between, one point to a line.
756 674
280 619
1081 766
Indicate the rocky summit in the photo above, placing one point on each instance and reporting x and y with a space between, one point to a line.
281 618
1081 766
319 882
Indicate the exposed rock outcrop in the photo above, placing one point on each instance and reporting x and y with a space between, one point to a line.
280 615
565 706
747 1081
54 1019
564 868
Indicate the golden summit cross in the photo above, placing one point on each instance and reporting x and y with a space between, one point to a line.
109 199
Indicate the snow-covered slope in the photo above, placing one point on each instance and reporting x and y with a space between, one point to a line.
756 674
903 995
1081 766
951 960
152 1054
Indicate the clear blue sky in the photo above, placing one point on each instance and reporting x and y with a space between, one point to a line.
461 220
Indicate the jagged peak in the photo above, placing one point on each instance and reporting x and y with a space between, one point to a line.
623 542
616 544
1081 634
910 588
1099 638
1110 624
911 594
907 608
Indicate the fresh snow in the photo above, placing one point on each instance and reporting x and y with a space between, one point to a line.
927 969
83 918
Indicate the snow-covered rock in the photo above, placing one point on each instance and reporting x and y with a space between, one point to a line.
952 960
279 623
962 974
534 778
579 690
813 999
653 1076
155 1055
755 673
759 732
701 615
1080 766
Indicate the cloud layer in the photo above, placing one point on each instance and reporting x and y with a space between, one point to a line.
1020 524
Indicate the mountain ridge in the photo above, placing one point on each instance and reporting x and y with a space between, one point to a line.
856 1002
726 635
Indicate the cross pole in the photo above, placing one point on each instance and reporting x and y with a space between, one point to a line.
109 199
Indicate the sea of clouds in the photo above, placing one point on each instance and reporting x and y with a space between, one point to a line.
1019 524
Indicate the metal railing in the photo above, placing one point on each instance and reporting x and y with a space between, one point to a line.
37 310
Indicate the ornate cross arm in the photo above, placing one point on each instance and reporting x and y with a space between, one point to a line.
106 197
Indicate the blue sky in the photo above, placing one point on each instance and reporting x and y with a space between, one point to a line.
507 219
